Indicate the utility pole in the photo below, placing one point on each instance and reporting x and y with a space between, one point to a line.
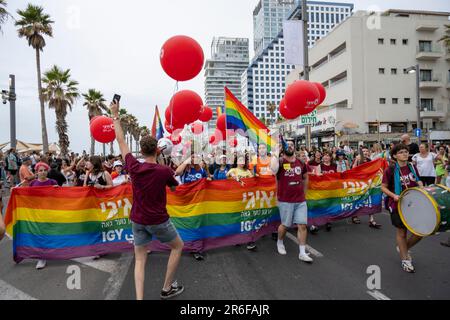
10 95
306 64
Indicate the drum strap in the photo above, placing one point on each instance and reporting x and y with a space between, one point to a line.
397 180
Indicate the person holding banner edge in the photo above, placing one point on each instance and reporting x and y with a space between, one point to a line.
397 178
149 214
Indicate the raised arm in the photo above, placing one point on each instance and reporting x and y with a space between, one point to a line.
124 149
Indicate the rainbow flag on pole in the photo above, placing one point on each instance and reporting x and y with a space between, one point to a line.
157 126
240 118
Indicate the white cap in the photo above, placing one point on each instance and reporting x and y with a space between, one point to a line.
117 163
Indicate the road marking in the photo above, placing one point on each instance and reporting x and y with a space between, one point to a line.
377 295
8 292
313 251
105 265
114 284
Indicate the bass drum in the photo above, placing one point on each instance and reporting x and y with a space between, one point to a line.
425 211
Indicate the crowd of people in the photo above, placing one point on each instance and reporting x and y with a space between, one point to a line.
410 165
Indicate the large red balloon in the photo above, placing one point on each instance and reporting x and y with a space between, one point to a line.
186 106
302 97
206 114
322 92
176 139
222 123
197 128
286 112
102 130
182 58
233 143
175 122
171 128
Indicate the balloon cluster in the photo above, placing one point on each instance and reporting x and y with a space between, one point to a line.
301 97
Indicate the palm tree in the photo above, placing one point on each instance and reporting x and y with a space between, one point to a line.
33 25
145 131
446 38
60 92
95 104
271 107
4 15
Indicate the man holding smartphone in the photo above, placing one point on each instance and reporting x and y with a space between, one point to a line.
149 214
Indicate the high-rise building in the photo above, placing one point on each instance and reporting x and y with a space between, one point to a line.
369 83
269 15
229 58
263 82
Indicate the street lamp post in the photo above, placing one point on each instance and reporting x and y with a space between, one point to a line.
306 63
11 97
416 69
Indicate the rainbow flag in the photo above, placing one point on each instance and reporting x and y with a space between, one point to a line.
157 126
80 222
337 196
240 118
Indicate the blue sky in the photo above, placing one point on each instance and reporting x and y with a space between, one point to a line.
113 46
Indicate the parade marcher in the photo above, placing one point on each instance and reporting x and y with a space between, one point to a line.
261 164
109 163
314 163
42 180
441 165
292 181
25 174
118 176
396 179
2 224
326 167
80 173
12 165
425 164
68 172
55 173
413 148
377 152
341 161
191 170
96 175
221 172
149 213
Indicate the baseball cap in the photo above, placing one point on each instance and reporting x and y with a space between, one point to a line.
117 163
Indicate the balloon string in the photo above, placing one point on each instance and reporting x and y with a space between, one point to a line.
175 90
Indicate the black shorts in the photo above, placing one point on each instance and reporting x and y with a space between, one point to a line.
395 219
428 181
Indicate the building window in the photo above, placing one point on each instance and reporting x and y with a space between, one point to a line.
393 71
425 75
426 104
381 70
382 100
394 100
407 101
380 41
405 42
425 46
393 41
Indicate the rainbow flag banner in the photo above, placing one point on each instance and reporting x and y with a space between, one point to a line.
67 223
240 119
337 196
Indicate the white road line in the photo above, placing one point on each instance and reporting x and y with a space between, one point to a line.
104 265
114 284
8 292
377 295
310 249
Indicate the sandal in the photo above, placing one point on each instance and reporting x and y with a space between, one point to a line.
373 224
407 266
356 220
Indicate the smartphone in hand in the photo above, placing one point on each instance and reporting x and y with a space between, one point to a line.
116 98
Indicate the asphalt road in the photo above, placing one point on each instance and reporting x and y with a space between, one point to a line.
339 271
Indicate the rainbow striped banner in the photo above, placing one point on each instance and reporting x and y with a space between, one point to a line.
67 223
337 196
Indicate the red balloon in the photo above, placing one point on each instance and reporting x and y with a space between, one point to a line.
197 128
182 58
175 122
206 114
171 128
322 92
186 106
233 143
286 112
176 139
102 130
222 123
212 139
302 97
93 118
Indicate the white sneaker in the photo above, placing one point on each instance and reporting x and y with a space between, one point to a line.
281 249
407 266
305 258
41 264
409 257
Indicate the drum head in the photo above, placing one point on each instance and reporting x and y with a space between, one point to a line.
418 212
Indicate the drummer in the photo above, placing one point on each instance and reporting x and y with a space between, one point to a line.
398 177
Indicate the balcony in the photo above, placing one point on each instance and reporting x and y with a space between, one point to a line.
427 27
432 83
437 112
428 53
